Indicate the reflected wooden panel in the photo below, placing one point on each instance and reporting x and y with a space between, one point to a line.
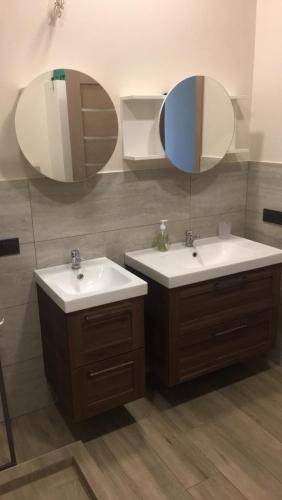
92 116
56 115
99 150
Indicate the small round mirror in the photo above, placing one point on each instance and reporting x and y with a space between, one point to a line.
197 124
66 125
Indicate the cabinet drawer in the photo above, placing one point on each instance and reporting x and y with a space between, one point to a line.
247 290
106 384
223 343
106 331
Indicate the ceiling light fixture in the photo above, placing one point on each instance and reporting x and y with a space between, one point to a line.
59 7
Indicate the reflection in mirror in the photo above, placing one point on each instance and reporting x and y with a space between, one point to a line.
66 125
197 124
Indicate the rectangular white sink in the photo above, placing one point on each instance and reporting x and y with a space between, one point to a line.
97 282
209 258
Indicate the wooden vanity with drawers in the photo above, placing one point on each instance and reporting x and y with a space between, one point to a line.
195 329
94 358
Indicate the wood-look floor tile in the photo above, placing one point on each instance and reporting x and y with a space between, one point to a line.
255 442
145 468
260 397
217 438
197 411
39 432
242 470
187 463
216 488
119 485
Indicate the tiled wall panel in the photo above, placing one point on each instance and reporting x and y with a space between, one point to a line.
107 215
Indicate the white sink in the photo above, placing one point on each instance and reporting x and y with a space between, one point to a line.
97 282
209 258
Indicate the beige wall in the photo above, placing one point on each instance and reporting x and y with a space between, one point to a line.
266 123
130 47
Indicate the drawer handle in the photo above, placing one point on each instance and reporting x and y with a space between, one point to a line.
230 330
107 370
110 314
221 286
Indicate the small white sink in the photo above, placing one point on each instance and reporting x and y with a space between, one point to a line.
209 258
97 282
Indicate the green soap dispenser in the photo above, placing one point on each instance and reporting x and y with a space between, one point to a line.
162 239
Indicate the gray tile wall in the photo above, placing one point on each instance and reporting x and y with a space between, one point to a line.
107 215
265 191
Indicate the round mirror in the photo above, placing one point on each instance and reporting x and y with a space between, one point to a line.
66 125
197 124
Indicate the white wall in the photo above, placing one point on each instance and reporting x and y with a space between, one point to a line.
129 46
266 122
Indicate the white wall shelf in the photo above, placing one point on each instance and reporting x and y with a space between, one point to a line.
140 120
237 151
238 97
236 147
144 158
140 123
156 97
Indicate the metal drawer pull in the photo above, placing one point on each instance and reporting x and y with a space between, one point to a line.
2 321
107 370
230 330
105 316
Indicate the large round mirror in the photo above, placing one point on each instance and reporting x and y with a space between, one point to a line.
197 124
66 125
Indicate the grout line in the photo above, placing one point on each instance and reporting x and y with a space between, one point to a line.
118 229
218 473
126 228
32 223
18 305
39 356
34 411
246 199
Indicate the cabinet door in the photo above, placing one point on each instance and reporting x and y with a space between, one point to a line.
103 332
106 384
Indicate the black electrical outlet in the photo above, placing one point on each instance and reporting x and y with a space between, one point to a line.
273 216
10 246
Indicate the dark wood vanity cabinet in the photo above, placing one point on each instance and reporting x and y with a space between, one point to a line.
94 359
195 329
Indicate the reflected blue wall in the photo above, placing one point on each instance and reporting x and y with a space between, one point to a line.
180 125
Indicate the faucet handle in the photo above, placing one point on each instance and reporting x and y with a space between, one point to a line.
75 253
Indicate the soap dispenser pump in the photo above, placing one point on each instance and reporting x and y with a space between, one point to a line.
162 240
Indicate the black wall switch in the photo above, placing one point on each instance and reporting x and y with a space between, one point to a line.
10 246
273 216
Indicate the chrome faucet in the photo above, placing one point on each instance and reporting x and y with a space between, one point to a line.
75 259
190 238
